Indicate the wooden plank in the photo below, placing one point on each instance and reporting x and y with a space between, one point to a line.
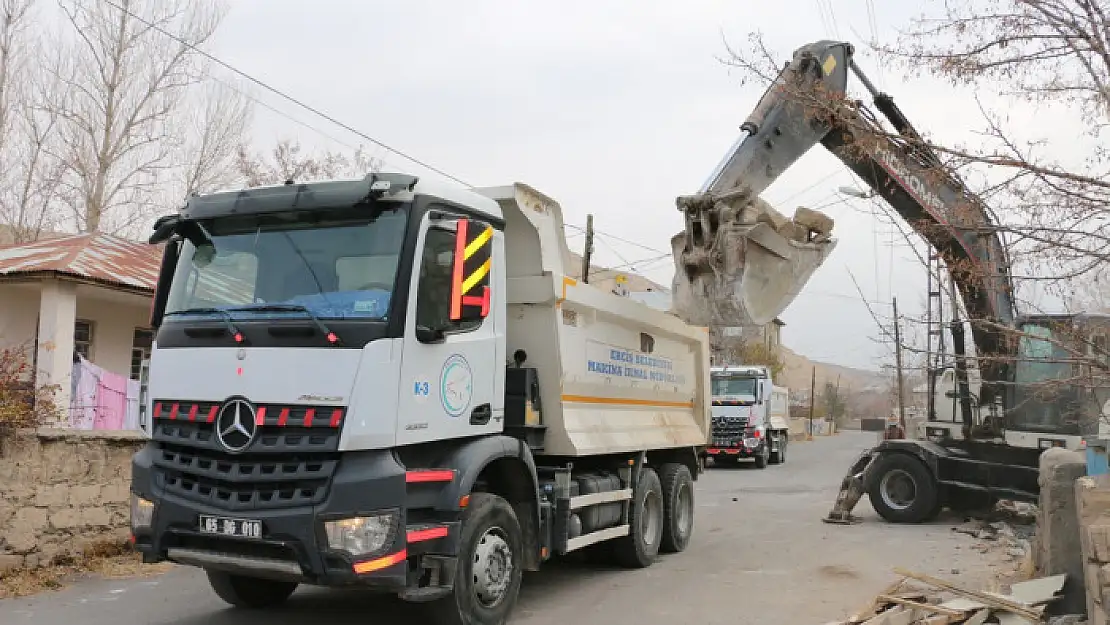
935 609
869 610
978 618
988 600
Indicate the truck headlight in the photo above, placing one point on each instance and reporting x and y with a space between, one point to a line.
142 512
360 535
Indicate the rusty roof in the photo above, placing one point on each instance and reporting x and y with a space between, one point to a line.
98 257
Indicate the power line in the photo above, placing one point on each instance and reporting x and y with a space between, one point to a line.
622 240
282 94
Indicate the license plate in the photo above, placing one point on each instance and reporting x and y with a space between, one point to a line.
237 528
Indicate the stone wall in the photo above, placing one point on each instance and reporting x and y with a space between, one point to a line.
1092 496
1056 547
61 490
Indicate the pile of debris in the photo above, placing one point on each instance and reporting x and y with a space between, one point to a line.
925 600
1015 539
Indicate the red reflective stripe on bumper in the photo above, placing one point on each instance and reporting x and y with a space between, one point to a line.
212 413
336 415
283 417
308 414
430 475
430 533
378 564
260 416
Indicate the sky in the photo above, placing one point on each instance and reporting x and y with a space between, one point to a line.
611 107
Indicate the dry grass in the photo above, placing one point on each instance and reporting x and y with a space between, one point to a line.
108 559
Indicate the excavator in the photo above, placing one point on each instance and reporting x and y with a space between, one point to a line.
738 262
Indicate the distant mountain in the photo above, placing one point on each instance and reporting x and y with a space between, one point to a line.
798 369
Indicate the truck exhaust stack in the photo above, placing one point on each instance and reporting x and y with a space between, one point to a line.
741 262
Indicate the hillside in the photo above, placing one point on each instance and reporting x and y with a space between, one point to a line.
796 374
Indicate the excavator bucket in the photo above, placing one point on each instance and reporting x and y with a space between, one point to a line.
742 262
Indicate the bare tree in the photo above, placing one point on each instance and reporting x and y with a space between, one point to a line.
216 127
288 161
125 114
29 174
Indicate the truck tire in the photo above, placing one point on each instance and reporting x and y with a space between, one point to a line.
764 455
903 490
678 507
489 566
249 592
645 519
777 456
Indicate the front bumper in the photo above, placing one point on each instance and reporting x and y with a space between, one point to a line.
741 448
293 545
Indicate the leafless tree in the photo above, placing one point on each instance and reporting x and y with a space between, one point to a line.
125 117
216 126
29 176
289 161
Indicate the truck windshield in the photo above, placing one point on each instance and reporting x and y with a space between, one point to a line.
734 386
336 265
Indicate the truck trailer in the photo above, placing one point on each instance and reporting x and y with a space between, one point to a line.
392 383
751 418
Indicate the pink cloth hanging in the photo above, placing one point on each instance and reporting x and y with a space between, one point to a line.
111 401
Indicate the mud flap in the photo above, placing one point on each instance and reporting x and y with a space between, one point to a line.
851 490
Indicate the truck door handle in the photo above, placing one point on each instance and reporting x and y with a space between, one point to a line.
481 414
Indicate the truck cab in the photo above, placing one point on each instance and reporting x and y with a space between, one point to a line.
750 416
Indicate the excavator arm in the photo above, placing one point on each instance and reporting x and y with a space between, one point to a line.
731 271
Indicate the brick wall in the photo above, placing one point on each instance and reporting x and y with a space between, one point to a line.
60 490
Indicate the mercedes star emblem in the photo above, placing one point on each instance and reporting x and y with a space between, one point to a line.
235 425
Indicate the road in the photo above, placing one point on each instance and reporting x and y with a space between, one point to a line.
760 554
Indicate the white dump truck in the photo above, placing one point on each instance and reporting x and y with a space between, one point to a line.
751 417
392 383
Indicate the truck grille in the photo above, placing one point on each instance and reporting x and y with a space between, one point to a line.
289 462
728 431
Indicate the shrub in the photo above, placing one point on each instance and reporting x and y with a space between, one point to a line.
22 403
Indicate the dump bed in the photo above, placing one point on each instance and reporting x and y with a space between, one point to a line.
615 375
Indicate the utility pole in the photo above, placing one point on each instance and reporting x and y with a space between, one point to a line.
812 398
898 364
589 249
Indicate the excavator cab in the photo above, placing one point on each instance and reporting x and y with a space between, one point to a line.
1061 383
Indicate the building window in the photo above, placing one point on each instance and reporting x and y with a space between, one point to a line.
140 350
83 338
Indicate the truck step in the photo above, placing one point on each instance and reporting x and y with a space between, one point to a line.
596 537
592 499
421 595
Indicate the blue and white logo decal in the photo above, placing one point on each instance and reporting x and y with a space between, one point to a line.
456 385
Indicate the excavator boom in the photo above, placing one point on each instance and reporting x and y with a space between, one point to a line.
739 262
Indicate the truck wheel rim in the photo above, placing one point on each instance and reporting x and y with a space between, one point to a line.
683 510
493 567
650 512
898 489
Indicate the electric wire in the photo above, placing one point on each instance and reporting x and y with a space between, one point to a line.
282 94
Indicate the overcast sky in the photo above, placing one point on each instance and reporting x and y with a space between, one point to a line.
610 107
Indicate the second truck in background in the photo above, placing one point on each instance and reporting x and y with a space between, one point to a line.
750 416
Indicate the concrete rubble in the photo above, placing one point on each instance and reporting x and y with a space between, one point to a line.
926 600
741 262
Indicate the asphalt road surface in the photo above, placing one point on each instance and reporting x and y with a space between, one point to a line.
760 554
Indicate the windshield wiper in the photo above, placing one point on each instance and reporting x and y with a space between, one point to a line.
223 313
332 337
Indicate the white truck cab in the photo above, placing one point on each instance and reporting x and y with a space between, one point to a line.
392 383
750 416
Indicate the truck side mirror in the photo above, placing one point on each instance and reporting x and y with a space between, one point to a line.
165 277
470 271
